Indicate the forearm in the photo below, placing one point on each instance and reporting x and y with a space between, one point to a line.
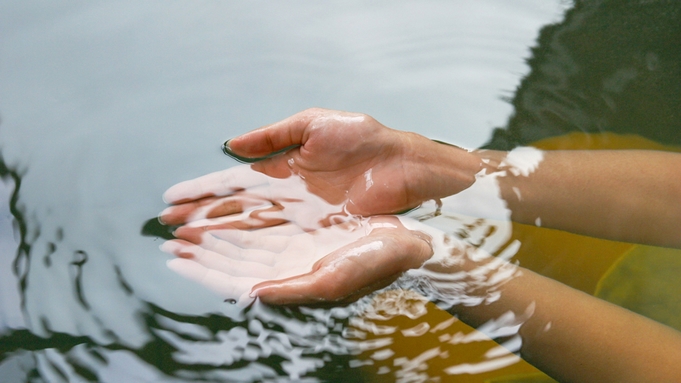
631 196
575 337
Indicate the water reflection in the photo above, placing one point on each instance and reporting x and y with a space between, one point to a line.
238 227
79 301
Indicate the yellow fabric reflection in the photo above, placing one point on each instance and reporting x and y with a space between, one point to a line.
404 337
646 280
414 340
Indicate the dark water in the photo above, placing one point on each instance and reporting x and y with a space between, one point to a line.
104 106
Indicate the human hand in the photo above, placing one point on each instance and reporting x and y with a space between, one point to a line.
285 265
274 235
345 165
352 160
240 198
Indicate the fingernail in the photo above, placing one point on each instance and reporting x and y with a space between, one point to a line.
163 213
257 289
160 216
166 247
226 149
245 160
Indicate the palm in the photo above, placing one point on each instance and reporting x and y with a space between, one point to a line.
285 265
343 157
365 265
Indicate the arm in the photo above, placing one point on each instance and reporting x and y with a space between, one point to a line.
620 195
352 160
570 335
625 195
575 337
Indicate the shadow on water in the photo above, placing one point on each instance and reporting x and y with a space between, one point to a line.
154 228
609 66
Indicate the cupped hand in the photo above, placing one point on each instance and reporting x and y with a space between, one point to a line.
346 159
367 264
240 198
285 265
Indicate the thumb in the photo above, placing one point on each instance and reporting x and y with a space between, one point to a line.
271 139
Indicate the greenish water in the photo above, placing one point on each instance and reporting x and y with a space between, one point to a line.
104 106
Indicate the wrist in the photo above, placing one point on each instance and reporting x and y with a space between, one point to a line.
437 169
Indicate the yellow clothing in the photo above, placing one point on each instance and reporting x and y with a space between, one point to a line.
414 338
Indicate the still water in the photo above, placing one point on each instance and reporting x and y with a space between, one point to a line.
104 106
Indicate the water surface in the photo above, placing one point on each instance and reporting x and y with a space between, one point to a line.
104 106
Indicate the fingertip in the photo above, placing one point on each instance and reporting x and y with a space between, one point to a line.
258 289
164 247
178 249
175 264
160 220
269 292
245 157
170 196
186 268
164 215
294 291
225 146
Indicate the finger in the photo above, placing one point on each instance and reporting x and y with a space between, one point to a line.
230 287
220 183
268 139
257 219
278 237
343 273
315 288
219 262
226 249
269 245
210 207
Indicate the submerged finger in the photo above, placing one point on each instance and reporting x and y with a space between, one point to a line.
351 271
220 183
274 238
256 254
211 207
222 248
255 220
219 262
224 263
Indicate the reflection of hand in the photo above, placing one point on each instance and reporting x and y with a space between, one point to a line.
284 265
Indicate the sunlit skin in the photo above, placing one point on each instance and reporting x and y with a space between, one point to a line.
622 195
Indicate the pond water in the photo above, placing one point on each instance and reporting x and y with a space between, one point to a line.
104 106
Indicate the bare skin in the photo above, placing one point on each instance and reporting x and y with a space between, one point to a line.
361 167
575 337
621 195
